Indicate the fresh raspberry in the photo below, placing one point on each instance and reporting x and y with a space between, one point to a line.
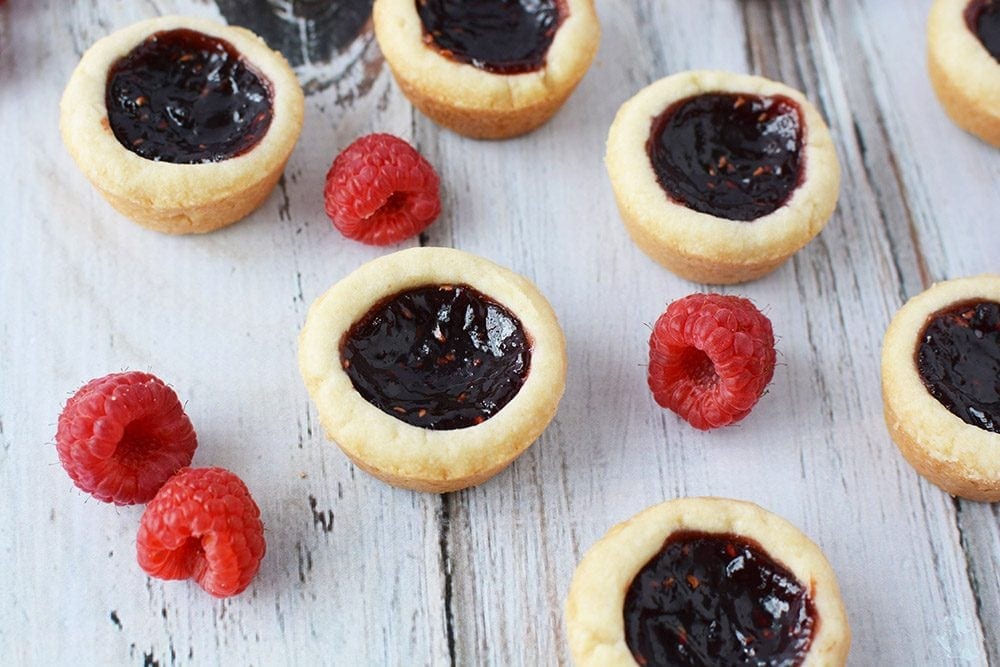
380 191
710 358
203 525
120 437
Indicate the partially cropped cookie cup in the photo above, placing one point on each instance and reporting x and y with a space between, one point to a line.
704 247
966 78
177 197
473 101
595 618
388 447
960 457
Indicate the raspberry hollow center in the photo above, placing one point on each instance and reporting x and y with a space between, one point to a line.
192 555
136 445
397 201
699 367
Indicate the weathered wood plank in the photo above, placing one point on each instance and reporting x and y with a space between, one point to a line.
359 573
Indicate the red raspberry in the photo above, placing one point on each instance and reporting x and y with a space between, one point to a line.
203 525
380 191
120 437
710 358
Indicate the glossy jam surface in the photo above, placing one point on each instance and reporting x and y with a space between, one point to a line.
717 599
731 156
184 97
983 19
499 36
439 357
958 359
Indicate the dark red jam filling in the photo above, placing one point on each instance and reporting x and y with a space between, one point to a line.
439 357
731 156
185 97
499 36
717 599
958 359
983 19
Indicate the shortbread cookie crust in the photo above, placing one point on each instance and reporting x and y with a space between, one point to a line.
594 607
474 102
965 76
702 247
961 458
178 198
409 456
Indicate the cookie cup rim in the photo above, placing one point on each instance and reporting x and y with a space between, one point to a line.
594 605
163 186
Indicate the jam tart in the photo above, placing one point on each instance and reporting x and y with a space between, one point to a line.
432 368
721 177
184 125
963 59
941 385
699 581
487 69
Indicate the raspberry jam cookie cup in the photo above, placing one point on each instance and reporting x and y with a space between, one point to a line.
698 581
182 124
431 368
941 385
963 58
487 69
721 177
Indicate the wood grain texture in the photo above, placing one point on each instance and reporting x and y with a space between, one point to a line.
358 573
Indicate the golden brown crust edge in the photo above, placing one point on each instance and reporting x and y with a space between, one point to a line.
965 77
951 476
431 484
965 111
178 198
690 267
201 219
481 123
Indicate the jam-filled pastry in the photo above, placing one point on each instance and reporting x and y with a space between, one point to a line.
705 581
721 177
182 124
431 368
941 385
963 58
488 69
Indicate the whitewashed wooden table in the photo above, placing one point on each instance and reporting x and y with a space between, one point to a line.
359 573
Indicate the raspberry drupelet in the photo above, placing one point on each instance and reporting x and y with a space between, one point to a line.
711 357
